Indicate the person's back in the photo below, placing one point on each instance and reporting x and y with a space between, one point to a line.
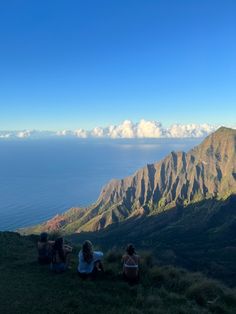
44 249
130 262
89 261
60 256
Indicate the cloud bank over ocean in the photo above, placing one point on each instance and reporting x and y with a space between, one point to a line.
127 129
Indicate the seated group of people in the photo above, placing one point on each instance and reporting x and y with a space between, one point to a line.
57 254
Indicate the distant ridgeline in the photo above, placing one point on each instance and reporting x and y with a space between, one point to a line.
183 207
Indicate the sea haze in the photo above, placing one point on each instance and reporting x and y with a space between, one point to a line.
41 178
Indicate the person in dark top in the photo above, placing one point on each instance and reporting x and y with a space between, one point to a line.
130 262
44 249
60 256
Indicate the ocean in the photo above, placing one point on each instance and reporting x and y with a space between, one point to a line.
44 177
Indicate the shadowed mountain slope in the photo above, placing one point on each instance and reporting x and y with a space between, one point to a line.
199 237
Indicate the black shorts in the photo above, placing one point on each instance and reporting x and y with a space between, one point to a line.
131 280
83 275
46 260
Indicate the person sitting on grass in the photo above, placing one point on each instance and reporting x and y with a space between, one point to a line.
90 264
130 262
44 249
60 256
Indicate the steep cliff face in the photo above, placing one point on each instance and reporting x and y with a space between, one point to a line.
207 171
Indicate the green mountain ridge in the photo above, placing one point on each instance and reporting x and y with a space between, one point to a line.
206 172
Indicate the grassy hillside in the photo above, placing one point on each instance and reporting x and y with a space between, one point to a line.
27 287
200 237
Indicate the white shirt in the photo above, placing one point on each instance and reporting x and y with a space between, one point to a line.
85 267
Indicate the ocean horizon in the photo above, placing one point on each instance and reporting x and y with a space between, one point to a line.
44 177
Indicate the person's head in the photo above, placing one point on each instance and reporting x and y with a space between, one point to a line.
43 237
130 249
87 250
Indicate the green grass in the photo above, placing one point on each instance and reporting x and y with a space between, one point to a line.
27 287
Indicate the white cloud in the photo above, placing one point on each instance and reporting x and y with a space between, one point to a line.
127 129
98 132
151 129
81 133
24 134
124 130
5 135
190 130
64 133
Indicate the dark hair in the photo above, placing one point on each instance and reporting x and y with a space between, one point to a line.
58 248
43 237
87 250
130 249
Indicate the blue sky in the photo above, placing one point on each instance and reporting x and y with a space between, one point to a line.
69 64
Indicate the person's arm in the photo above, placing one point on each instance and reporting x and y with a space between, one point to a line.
97 255
138 260
123 263
67 249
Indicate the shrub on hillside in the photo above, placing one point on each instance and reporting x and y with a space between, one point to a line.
205 292
113 256
146 260
172 278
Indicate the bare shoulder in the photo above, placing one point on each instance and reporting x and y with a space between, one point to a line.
67 248
124 257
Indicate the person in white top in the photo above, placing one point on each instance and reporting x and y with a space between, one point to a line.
90 262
